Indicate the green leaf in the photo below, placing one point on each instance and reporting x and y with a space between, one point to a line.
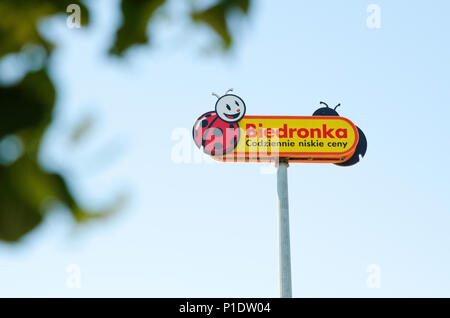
17 215
216 17
136 15
25 188
26 108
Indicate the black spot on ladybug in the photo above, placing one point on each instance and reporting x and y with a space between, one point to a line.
204 123
207 115
231 126
218 132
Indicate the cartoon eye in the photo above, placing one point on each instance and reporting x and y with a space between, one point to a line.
228 107
237 104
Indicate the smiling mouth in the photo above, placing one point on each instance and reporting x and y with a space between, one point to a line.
233 116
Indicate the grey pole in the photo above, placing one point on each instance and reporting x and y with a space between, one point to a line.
283 223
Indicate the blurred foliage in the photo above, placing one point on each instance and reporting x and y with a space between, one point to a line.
136 15
216 17
19 20
27 191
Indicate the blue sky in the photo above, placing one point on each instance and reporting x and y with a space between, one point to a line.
210 229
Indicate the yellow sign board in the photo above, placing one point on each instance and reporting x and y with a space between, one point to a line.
295 138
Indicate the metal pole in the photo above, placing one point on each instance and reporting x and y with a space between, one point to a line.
283 223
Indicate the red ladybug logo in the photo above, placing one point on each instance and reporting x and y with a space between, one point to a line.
218 131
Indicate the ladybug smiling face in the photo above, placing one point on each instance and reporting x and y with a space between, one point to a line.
230 108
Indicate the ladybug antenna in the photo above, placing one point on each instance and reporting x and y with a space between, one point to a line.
230 90
324 104
214 94
337 106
